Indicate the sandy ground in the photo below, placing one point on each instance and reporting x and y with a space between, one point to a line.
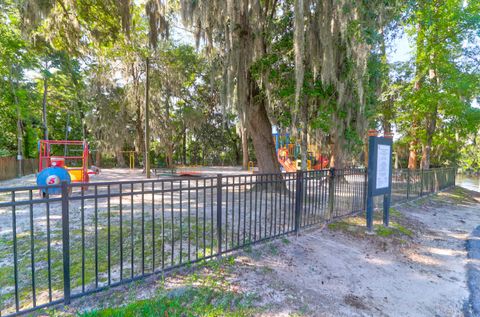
331 272
326 271
249 213
125 174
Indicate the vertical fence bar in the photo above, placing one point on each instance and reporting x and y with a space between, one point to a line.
163 226
211 217
65 243
109 251
189 221
120 211
421 182
408 183
132 242
331 192
49 249
96 236
143 228
32 249
153 227
298 200
15 254
181 220
82 216
219 213
196 218
233 213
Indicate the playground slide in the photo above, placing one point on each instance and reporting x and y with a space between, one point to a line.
288 165
285 161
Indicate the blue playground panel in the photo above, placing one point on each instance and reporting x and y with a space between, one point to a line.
53 176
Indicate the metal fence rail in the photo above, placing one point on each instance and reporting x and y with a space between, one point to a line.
93 236
410 184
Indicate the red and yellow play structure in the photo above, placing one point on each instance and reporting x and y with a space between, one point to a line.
53 167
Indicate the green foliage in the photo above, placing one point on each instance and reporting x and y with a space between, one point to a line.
92 58
469 160
434 91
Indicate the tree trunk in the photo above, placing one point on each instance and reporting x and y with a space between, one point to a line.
120 159
431 124
169 156
184 146
337 158
250 100
44 107
168 132
139 127
412 157
427 147
146 159
258 124
19 127
244 137
304 133
140 146
98 158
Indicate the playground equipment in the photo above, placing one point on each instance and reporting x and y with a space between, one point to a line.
251 166
285 161
53 169
288 154
131 158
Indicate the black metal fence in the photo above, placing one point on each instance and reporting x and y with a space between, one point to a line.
410 184
98 235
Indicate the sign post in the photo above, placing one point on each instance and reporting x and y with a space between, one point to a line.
379 175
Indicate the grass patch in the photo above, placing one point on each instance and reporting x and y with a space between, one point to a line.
402 229
357 225
395 213
205 292
382 231
187 301
456 195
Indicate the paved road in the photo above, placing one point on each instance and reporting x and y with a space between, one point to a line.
472 308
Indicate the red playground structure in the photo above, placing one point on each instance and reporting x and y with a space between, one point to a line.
54 167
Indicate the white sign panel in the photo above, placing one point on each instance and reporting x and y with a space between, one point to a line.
383 166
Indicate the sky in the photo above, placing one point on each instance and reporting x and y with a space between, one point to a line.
400 50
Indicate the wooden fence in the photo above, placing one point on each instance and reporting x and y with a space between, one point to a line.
9 167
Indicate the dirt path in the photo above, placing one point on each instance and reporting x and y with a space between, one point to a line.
332 273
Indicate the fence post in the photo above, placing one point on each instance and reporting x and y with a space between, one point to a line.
331 192
365 190
219 213
66 243
421 182
298 199
433 177
408 183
